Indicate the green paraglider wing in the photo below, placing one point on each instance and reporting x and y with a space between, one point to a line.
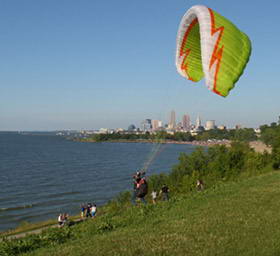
210 46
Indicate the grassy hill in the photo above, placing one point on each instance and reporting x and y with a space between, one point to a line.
233 218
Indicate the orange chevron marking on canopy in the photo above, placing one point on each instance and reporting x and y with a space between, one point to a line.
186 52
218 52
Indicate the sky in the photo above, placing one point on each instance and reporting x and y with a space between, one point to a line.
89 64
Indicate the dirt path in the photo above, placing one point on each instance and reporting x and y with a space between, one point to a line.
37 230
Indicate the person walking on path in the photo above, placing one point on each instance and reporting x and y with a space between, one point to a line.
165 192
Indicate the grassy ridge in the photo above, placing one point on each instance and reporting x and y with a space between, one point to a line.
234 218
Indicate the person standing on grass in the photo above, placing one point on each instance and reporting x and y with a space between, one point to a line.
142 190
60 220
199 185
88 210
93 210
83 209
165 192
136 180
65 217
154 196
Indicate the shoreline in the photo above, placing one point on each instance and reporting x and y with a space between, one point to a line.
258 146
195 142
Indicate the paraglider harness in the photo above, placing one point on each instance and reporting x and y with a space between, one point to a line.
142 188
140 185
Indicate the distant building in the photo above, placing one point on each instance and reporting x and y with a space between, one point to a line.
186 123
210 125
179 126
146 125
104 130
172 122
197 128
238 126
119 130
156 124
198 122
222 127
131 128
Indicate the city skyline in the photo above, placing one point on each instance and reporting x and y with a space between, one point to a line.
149 124
66 65
186 124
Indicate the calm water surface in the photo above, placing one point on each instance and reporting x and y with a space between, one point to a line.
41 175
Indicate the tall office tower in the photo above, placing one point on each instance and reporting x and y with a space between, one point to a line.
146 125
155 124
186 122
172 123
198 122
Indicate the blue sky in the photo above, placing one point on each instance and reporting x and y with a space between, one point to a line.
89 64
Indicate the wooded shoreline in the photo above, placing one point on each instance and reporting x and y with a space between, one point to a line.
258 146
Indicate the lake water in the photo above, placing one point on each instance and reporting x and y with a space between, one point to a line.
41 175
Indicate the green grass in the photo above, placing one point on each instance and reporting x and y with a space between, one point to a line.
234 218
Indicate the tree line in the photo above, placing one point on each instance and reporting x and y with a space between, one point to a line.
222 163
246 134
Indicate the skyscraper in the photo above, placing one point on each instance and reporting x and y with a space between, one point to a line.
198 122
155 124
146 125
186 122
172 123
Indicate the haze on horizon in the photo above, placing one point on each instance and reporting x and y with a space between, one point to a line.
67 65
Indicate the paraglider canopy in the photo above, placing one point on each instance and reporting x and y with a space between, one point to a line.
210 46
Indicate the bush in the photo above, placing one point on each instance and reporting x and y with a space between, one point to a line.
55 236
218 163
123 197
105 225
18 246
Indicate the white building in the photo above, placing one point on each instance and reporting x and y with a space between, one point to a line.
172 123
222 127
210 125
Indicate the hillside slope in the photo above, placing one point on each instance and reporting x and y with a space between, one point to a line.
237 218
